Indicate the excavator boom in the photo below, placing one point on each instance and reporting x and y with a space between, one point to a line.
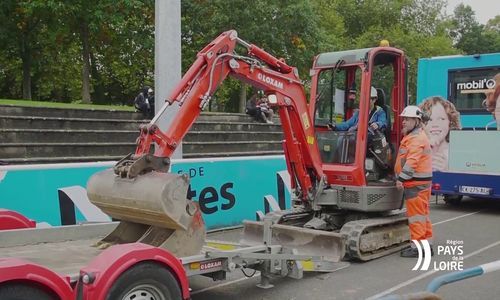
329 210
150 202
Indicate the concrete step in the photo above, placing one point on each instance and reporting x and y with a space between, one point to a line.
22 111
235 126
234 146
67 123
68 136
27 150
32 150
232 136
59 159
224 117
230 117
100 124
73 159
231 154
45 135
115 136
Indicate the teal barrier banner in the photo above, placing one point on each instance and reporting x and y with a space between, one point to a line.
228 190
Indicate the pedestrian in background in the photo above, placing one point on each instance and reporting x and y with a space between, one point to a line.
413 169
259 109
265 109
144 102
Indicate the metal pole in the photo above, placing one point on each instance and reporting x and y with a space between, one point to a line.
167 60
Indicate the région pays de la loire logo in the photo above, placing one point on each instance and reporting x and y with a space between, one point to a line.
452 253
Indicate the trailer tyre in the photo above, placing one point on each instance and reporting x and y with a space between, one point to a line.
19 291
148 280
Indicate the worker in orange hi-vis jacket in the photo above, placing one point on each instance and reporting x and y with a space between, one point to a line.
414 174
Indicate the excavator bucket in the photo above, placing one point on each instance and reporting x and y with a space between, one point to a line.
329 245
152 208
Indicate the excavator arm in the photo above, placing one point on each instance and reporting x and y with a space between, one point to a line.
213 65
151 203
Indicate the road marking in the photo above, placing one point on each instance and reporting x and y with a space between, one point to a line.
427 274
455 218
224 284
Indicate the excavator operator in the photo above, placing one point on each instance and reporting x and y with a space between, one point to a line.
413 169
377 118
377 121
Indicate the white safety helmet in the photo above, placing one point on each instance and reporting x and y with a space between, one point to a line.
373 92
412 111
150 91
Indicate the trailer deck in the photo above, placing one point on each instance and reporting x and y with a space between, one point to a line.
66 249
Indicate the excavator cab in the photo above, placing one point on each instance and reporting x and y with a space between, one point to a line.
359 162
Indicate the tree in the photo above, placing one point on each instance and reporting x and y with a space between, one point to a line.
416 26
22 24
287 29
491 35
470 36
331 27
493 24
116 42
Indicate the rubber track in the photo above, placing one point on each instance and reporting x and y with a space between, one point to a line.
354 230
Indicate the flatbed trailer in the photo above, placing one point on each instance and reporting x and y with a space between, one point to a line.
61 263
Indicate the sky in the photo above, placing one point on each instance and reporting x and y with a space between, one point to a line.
484 9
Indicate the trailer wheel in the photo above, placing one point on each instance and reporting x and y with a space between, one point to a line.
20 291
453 199
143 281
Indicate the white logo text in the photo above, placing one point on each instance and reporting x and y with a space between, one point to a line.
270 80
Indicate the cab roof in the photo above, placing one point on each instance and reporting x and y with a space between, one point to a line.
384 55
349 57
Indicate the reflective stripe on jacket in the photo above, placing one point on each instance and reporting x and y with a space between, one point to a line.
414 161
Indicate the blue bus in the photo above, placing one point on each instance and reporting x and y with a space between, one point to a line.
462 80
472 160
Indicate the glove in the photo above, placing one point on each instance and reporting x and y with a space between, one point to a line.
331 126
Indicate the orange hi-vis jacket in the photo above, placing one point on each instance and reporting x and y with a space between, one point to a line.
414 161
414 169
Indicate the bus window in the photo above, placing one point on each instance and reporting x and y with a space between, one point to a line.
466 88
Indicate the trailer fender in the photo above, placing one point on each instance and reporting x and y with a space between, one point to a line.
104 269
10 219
23 271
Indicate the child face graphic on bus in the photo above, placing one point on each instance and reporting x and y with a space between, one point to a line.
443 117
438 126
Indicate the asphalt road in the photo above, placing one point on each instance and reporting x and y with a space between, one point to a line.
474 223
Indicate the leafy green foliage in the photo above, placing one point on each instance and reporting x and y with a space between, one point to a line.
286 29
471 37
46 45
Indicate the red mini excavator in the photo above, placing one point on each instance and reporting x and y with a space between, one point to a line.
342 181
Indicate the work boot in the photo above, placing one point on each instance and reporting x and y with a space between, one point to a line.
409 252
413 252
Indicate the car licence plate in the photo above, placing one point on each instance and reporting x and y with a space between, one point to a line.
475 190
